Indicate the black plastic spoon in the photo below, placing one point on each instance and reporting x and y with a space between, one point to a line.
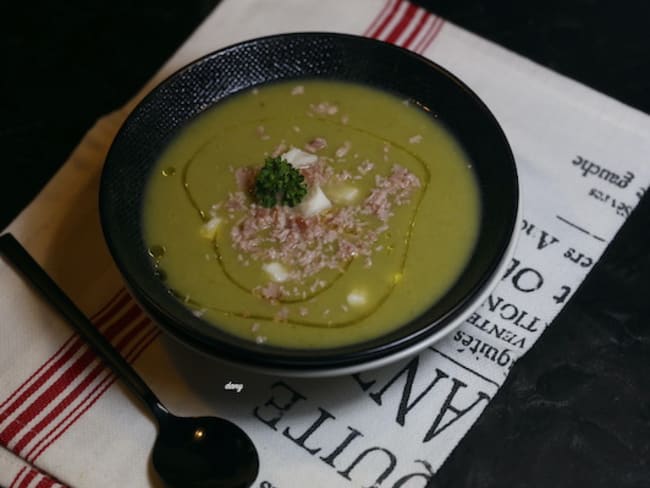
190 452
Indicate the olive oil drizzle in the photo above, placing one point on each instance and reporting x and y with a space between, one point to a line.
301 299
303 322
204 218
187 164
292 320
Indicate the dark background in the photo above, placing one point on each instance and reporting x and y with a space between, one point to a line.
575 411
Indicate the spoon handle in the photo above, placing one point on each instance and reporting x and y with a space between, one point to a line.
32 271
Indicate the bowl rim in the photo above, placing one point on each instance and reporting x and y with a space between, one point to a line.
328 361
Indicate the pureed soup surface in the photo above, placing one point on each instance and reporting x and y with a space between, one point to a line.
389 221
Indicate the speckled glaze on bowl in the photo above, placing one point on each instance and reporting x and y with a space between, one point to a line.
200 85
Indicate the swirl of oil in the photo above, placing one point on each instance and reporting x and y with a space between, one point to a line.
303 298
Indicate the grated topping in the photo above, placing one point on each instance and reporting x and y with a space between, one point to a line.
316 144
325 241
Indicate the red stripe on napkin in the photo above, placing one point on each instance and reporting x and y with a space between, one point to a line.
46 482
383 13
90 400
63 381
391 11
403 23
432 33
32 383
27 479
414 33
121 317
30 475
18 475
88 357
149 334
424 25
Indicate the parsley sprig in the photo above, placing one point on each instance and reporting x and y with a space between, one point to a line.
279 183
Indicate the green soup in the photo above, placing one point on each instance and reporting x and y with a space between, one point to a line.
388 223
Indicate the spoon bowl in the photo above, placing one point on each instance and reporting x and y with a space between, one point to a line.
203 452
189 452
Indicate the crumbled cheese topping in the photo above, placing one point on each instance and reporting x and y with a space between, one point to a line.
357 298
342 151
324 108
299 158
209 229
277 271
315 202
309 240
316 144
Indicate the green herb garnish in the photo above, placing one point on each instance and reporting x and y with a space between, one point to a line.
279 183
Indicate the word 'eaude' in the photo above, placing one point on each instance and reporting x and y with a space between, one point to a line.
352 449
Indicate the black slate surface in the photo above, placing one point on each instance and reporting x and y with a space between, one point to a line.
575 411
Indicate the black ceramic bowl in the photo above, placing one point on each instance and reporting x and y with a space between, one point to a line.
202 84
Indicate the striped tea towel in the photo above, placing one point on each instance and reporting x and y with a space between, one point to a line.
582 159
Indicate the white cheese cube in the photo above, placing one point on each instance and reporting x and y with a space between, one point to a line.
356 298
276 271
315 202
209 229
299 158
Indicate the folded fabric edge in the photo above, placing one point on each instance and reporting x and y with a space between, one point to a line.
16 473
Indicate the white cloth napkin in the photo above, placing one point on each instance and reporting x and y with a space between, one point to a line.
582 159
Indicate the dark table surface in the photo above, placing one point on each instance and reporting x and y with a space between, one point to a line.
575 411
